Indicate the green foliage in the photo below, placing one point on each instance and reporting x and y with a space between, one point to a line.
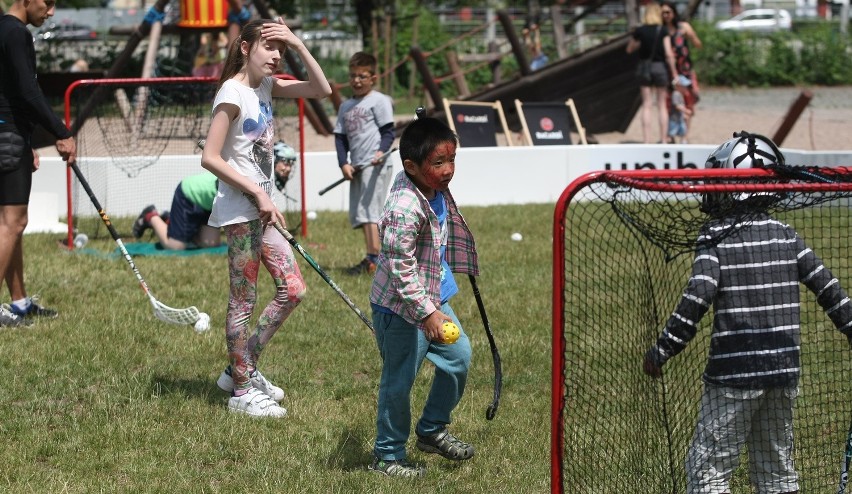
106 398
430 35
814 54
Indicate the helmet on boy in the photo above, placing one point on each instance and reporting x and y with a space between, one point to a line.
283 151
743 151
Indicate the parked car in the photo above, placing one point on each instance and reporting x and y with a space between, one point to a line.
758 20
65 32
326 34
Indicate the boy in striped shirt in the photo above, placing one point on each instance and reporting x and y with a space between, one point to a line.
748 268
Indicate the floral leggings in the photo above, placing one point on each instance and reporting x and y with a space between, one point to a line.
249 245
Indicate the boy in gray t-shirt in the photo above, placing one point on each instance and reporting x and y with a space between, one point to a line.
364 132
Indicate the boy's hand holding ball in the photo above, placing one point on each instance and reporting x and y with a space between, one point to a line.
440 328
451 332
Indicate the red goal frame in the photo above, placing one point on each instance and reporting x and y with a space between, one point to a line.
650 180
171 80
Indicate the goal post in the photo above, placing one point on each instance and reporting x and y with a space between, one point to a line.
623 251
138 138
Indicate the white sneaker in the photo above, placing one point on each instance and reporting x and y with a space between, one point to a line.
226 384
256 404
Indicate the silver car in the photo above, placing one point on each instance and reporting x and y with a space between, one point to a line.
758 20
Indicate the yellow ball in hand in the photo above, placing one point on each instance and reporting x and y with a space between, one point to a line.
451 332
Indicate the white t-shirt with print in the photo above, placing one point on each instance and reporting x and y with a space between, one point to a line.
247 148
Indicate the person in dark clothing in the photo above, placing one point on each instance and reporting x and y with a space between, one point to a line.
652 43
22 106
748 267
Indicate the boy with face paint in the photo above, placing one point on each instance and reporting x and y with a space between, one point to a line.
424 240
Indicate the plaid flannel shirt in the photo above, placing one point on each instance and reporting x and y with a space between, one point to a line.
408 273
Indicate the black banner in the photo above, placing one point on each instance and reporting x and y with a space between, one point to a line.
549 124
475 125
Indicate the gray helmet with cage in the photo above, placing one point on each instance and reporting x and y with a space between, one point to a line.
744 150
284 151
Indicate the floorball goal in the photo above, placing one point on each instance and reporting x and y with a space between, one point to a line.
623 251
138 138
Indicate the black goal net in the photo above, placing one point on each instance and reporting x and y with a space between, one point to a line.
720 279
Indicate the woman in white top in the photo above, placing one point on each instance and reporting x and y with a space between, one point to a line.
239 150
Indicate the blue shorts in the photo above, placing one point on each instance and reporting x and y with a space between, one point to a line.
186 218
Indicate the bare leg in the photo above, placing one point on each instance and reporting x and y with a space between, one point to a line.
161 229
663 116
15 272
371 238
647 102
13 220
208 236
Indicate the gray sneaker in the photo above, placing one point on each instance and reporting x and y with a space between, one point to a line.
397 468
9 319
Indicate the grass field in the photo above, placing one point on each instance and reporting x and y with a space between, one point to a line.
108 399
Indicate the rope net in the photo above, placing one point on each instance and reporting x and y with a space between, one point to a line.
140 139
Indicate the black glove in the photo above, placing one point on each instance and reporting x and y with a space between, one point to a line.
653 363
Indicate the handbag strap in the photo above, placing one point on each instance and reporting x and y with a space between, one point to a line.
654 46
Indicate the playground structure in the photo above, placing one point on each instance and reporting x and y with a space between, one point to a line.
598 77
591 69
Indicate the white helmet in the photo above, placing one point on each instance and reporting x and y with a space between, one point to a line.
283 151
745 151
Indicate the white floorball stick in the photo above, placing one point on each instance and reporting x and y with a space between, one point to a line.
189 315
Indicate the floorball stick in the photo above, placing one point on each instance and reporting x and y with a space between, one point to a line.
382 160
844 467
289 237
491 411
189 315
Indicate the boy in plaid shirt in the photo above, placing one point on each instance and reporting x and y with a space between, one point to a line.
424 240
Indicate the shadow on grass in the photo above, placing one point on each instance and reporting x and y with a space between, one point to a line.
199 388
350 454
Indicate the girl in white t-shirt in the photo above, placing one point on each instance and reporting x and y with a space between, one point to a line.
239 151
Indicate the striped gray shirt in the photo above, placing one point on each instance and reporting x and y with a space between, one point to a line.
751 278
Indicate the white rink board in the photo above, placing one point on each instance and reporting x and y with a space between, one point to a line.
484 176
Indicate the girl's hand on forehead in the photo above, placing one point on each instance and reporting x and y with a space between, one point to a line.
278 31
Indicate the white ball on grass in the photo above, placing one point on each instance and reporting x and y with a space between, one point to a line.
312 215
203 323
517 237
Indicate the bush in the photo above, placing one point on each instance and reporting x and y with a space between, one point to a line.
816 53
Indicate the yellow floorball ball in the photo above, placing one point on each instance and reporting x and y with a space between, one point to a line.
451 332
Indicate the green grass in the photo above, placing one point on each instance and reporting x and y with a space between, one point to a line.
108 399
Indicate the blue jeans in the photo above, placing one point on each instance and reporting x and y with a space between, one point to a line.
403 348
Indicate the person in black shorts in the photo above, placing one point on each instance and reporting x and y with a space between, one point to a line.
22 106
185 225
653 45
